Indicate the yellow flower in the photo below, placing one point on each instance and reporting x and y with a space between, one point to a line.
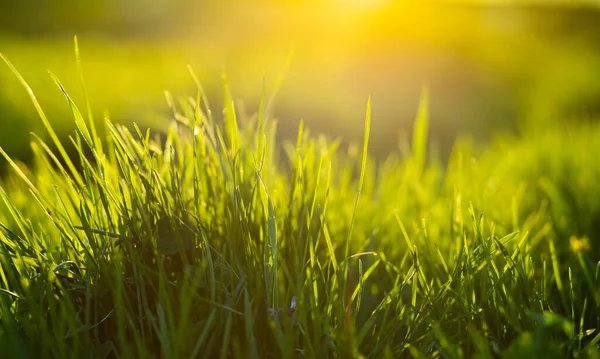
579 244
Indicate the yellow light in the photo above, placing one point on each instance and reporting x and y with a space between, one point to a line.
362 2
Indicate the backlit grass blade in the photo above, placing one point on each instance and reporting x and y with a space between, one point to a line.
45 121
420 131
91 123
79 121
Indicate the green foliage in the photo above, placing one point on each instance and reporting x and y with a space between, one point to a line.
210 242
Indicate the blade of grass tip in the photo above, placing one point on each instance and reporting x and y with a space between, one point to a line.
88 106
45 121
571 295
415 284
359 286
296 170
556 270
544 283
11 294
581 324
409 243
363 169
586 270
7 236
225 160
20 173
261 111
363 278
443 262
230 117
274 253
329 244
420 131
273 293
59 167
79 121
278 82
202 92
171 103
198 133
311 242
17 217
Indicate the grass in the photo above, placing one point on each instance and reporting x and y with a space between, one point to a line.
211 241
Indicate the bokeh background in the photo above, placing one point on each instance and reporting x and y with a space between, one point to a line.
491 66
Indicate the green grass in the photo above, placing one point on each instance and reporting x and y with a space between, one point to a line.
211 241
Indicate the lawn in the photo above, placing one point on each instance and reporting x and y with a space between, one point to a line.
214 240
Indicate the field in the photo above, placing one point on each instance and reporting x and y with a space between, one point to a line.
215 240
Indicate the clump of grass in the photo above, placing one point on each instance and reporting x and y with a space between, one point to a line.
201 243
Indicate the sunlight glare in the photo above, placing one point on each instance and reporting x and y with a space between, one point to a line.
362 2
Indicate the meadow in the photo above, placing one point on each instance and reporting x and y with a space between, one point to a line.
214 240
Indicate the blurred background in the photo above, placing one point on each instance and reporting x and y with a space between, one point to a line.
491 66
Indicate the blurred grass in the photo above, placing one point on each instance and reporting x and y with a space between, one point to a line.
141 73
